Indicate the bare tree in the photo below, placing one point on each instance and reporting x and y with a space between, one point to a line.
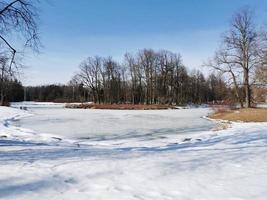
243 48
147 59
136 74
222 63
240 52
113 80
130 63
90 75
169 77
17 18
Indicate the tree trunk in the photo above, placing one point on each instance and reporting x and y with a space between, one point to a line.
247 89
236 90
2 98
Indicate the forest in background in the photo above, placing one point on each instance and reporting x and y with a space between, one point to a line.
148 78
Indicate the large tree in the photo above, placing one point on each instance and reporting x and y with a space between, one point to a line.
240 52
18 18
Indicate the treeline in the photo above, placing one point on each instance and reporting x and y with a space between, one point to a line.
202 91
57 93
148 77
13 91
212 89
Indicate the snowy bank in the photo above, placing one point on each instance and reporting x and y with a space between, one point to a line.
33 104
227 164
17 134
262 105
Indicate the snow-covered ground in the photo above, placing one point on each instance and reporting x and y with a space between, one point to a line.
163 160
32 104
262 105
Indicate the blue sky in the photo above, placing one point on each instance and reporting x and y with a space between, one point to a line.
73 30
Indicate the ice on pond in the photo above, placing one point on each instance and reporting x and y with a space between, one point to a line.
115 124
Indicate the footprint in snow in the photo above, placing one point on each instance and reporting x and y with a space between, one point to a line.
57 138
187 139
70 181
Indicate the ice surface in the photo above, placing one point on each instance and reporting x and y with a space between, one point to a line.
110 124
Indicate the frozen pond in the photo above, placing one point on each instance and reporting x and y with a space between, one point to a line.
114 124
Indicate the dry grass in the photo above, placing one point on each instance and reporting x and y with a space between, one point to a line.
121 106
245 115
221 126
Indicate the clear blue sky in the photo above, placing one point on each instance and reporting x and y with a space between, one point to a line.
73 30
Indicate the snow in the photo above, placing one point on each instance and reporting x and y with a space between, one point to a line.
194 165
262 105
32 104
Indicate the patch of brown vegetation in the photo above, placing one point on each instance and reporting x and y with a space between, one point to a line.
121 106
221 126
244 115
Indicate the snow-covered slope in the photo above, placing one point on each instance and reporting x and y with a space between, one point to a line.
8 132
227 164
7 115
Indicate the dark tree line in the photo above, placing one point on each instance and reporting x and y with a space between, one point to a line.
119 85
15 92
148 77
56 93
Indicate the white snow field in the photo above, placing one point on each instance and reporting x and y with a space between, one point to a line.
169 154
